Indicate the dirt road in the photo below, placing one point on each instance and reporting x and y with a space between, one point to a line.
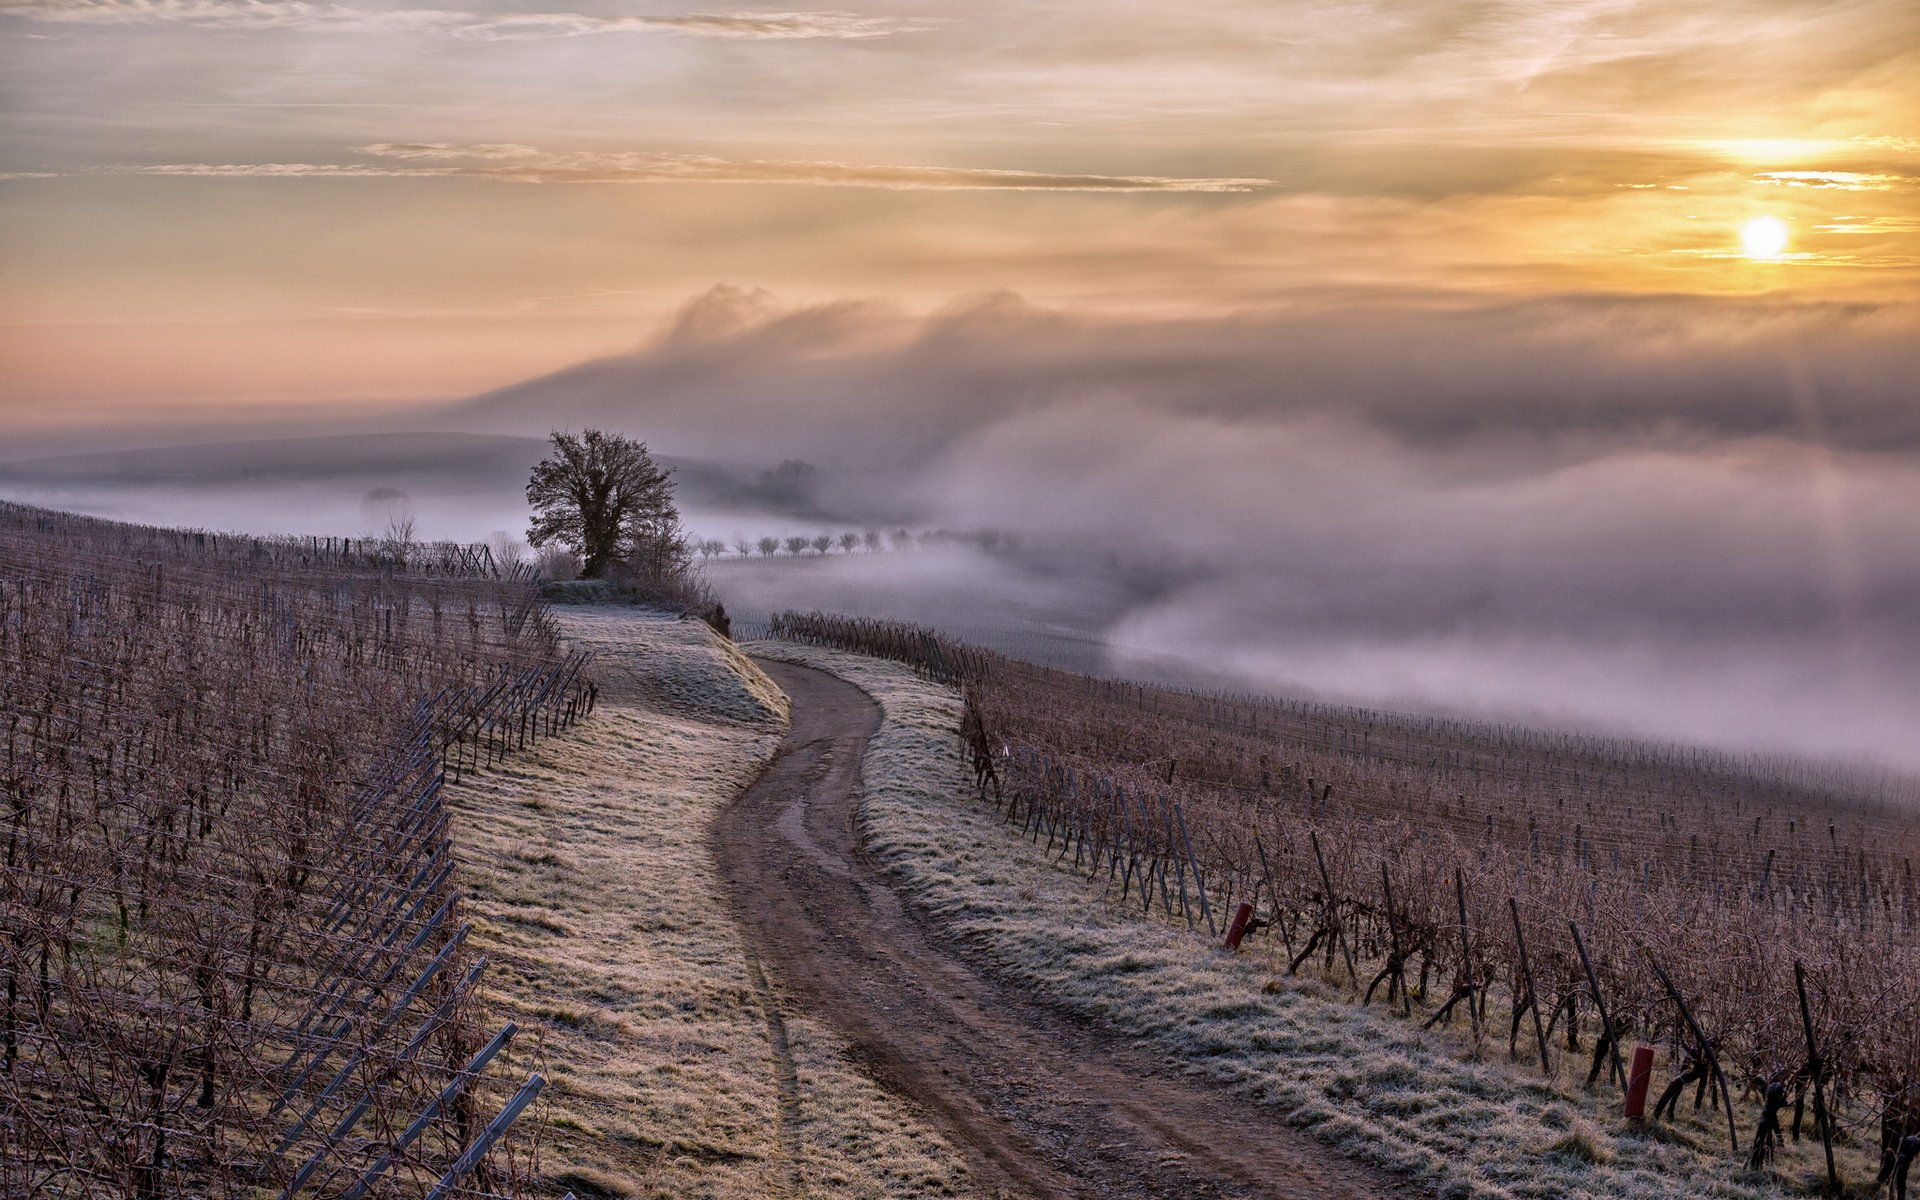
1045 1106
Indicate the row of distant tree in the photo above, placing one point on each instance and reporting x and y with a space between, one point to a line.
871 541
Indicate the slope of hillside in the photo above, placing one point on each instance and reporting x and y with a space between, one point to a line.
676 1070
1430 1105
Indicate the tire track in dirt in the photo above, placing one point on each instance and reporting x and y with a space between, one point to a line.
786 1075
1044 1106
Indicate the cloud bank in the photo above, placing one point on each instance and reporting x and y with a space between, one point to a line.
512 163
1682 518
256 15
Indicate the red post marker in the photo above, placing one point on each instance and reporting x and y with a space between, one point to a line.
1242 917
1638 1078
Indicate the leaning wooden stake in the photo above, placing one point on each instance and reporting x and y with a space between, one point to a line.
1466 953
1607 1030
1526 976
1393 973
1333 916
455 1088
1199 884
1818 1070
495 1130
1706 1048
1266 874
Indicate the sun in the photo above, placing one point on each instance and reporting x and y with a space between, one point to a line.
1764 237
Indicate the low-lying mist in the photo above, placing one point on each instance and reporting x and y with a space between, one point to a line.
1684 518
1689 519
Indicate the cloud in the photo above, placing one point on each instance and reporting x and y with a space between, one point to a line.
1847 181
253 15
1566 372
441 151
1688 518
1872 225
511 163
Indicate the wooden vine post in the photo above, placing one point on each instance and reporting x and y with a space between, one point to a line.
1817 1069
1526 976
1607 1029
1266 873
1333 915
1706 1048
1469 979
1394 973
1199 884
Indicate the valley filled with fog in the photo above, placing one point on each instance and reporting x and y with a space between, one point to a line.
1688 520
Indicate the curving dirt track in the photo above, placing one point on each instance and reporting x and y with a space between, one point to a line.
1045 1107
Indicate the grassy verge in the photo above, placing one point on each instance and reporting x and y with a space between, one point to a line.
675 1072
1375 1087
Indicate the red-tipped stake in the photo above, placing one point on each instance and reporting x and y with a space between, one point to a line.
1242 917
1637 1080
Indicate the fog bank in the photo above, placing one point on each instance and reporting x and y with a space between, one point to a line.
1688 518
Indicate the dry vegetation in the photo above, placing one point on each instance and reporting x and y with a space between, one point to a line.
1723 874
676 1070
231 959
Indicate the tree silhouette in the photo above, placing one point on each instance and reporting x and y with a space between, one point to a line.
601 496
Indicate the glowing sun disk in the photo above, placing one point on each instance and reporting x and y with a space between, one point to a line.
1764 237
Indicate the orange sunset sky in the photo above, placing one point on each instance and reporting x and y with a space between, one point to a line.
214 206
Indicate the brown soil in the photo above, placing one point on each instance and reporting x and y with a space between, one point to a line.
1044 1106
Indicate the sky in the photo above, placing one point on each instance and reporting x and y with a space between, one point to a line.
211 203
1550 358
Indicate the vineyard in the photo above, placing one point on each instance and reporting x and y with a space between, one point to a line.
1757 920
232 959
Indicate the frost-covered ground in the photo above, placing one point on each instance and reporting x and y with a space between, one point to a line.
674 1071
1374 1086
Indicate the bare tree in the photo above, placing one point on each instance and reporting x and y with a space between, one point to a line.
711 546
872 538
508 551
741 545
796 546
769 546
848 541
602 496
558 562
822 543
902 539
398 535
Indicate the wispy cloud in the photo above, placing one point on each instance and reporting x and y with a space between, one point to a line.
1872 225
513 163
246 15
1846 181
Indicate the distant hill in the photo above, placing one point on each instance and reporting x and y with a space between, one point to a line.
465 458
443 463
